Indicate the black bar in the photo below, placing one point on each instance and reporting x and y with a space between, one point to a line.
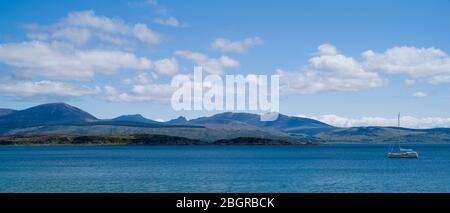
168 201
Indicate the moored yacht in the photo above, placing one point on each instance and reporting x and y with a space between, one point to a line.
402 152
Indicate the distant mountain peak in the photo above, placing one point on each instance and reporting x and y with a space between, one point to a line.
282 123
179 120
52 114
56 104
134 118
45 114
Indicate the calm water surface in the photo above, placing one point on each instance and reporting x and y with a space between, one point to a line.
336 168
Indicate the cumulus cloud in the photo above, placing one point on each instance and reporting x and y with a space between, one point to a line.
60 61
410 82
210 65
327 49
38 36
81 27
141 88
407 121
146 35
149 92
89 19
241 46
430 63
141 78
420 94
157 8
78 36
329 71
170 21
168 66
30 89
77 48
153 4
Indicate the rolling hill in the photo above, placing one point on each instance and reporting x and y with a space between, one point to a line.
61 118
134 118
45 114
283 123
4 112
374 134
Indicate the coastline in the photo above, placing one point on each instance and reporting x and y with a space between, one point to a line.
137 140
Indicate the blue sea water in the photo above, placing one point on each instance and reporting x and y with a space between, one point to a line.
334 168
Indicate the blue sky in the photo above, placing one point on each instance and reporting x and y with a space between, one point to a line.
346 62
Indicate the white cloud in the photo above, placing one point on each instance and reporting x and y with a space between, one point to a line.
430 63
61 61
80 27
156 93
38 36
170 21
79 47
160 10
210 65
141 78
410 82
406 121
109 90
420 94
242 46
141 89
146 35
153 4
29 89
438 79
78 36
329 71
89 19
166 66
327 49
118 41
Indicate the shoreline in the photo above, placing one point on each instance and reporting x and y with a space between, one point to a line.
166 140
138 140
212 144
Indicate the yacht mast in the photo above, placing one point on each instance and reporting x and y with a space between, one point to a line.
398 127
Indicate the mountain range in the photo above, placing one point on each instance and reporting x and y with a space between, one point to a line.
61 118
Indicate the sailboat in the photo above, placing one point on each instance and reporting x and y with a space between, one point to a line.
402 152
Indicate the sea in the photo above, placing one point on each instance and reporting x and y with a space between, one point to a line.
196 168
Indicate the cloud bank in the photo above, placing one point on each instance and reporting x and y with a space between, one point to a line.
406 121
328 70
242 46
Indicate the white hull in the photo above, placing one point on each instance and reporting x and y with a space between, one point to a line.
403 155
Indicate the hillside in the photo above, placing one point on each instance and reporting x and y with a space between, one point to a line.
283 123
134 118
385 135
45 114
137 139
60 118
4 112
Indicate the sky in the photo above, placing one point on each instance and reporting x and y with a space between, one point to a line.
347 63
